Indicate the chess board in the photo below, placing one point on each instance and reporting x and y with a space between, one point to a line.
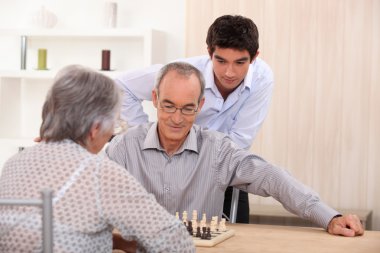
216 237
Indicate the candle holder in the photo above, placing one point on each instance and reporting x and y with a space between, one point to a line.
106 60
42 57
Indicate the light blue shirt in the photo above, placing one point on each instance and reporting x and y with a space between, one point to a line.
240 116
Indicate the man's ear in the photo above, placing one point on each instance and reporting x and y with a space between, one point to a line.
201 103
209 52
154 97
254 57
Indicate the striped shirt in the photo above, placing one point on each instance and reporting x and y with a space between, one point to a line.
197 175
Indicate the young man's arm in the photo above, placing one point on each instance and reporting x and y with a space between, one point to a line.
136 86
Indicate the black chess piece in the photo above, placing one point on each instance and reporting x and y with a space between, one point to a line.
190 227
203 236
208 234
198 234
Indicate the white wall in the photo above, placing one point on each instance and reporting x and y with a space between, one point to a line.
163 15
166 16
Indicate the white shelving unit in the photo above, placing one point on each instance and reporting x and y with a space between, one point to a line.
22 91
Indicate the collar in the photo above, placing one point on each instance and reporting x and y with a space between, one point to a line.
247 81
210 81
153 142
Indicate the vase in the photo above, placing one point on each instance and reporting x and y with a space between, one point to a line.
44 18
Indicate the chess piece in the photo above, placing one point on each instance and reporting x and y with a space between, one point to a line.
203 221
222 225
177 215
214 223
198 234
195 215
195 224
190 228
208 234
184 217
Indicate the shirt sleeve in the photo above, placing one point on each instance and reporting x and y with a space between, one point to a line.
251 115
253 174
127 206
136 86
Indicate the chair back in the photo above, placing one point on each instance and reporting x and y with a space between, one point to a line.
47 215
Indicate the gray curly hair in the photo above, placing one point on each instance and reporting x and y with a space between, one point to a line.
78 99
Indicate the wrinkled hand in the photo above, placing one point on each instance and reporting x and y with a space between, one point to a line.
37 139
120 244
346 225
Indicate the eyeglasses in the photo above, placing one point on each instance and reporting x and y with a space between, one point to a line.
169 108
183 110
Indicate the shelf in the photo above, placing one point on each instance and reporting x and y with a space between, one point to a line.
146 40
23 91
118 32
44 74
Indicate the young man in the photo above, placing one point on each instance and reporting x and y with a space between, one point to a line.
188 168
238 89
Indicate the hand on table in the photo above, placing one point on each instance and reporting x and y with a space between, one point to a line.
346 225
120 244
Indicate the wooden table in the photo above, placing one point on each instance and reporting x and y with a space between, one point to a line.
267 238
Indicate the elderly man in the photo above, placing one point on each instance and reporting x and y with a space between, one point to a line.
188 168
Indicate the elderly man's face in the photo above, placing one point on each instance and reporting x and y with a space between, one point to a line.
180 92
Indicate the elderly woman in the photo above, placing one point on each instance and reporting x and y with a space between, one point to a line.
92 195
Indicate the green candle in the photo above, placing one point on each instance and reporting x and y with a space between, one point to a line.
42 52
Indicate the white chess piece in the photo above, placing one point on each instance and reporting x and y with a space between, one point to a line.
177 215
195 224
222 225
184 217
195 215
203 221
213 223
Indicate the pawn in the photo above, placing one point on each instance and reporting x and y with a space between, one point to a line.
213 223
208 234
198 234
195 224
203 221
184 217
222 225
190 228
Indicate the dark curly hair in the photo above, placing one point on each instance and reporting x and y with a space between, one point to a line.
235 32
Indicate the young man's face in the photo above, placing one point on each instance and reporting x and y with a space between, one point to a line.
181 92
230 68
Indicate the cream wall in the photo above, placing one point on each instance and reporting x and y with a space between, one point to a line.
324 121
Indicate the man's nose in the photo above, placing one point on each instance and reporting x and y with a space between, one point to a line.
230 71
177 116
